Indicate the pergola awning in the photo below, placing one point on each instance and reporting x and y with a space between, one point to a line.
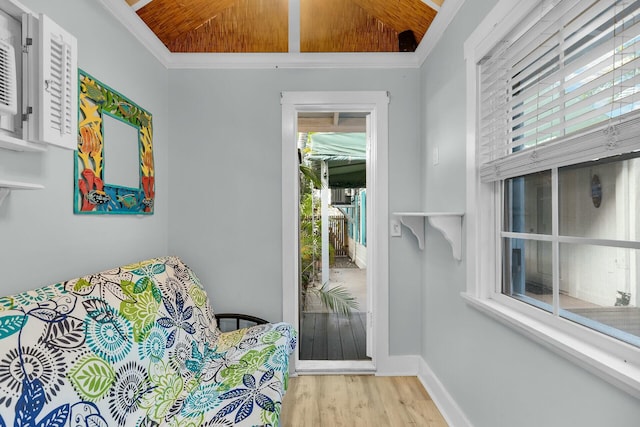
346 157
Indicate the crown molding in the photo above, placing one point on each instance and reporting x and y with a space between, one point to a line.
140 4
433 5
437 28
292 60
136 26
132 22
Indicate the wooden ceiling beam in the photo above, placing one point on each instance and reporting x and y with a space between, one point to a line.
294 26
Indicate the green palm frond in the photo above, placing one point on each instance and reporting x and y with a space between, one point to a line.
311 175
337 299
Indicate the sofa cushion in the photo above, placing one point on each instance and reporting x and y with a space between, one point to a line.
137 345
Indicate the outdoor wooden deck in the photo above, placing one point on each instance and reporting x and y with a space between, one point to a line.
329 336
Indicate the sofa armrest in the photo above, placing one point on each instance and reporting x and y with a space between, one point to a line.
279 335
240 321
246 376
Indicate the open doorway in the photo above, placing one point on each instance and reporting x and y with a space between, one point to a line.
333 236
373 105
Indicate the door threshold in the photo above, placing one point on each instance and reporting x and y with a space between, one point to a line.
335 367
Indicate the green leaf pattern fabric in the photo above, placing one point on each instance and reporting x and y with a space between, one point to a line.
137 345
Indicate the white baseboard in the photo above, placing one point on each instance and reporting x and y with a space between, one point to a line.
397 366
441 397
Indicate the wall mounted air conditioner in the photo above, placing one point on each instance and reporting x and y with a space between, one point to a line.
339 197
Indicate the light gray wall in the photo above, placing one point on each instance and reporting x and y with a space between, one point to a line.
41 240
498 377
225 213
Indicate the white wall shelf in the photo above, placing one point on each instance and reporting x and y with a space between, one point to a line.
15 144
448 223
7 186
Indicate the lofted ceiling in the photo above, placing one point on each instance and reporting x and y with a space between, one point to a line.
264 26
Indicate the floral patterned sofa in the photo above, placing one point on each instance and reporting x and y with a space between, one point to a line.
136 346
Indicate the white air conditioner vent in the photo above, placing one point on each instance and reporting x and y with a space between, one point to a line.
8 82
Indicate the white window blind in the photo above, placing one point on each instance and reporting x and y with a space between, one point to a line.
561 88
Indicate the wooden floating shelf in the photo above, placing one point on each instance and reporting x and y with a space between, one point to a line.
448 223
7 186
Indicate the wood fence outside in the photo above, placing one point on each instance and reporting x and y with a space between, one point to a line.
338 235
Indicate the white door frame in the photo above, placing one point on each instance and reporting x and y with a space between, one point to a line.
375 103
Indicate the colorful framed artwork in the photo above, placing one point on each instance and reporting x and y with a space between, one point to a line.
113 171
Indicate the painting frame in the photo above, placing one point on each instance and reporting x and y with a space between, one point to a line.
91 194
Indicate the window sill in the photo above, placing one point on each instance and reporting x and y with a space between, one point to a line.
618 371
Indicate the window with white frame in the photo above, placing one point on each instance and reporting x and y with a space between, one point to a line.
557 154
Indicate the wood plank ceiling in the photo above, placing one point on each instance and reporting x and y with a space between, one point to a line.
261 26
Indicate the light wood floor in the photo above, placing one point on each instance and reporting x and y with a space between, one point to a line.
358 400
